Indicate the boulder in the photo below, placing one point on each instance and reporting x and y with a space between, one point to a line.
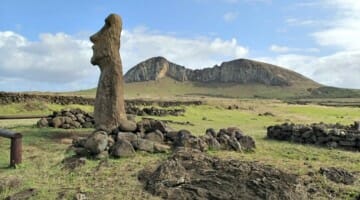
155 136
212 143
122 148
131 137
97 142
127 126
144 145
43 122
161 148
247 143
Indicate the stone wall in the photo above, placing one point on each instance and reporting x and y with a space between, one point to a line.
331 135
8 98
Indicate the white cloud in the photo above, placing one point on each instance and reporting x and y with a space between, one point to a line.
284 49
62 62
279 49
230 16
56 59
344 30
340 69
194 52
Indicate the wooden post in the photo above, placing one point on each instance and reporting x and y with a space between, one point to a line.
15 147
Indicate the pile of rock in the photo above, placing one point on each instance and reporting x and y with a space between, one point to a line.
154 136
68 118
191 174
331 135
153 111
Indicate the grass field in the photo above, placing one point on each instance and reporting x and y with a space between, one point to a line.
44 149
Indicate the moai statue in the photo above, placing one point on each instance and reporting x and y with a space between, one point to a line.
109 108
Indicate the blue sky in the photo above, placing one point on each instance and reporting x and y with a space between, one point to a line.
44 44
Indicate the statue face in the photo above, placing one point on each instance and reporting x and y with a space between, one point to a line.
107 40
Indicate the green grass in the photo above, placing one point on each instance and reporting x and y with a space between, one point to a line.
167 87
37 108
117 179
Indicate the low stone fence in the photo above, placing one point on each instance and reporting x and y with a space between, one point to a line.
331 135
9 97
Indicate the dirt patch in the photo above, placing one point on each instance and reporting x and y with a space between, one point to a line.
61 136
190 174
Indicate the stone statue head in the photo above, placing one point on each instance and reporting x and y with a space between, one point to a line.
107 41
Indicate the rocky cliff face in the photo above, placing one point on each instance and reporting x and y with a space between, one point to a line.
240 71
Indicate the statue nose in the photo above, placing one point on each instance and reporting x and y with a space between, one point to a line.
93 38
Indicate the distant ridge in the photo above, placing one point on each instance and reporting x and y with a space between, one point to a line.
241 71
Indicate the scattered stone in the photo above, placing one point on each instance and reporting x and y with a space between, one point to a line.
338 175
122 148
73 162
190 174
270 114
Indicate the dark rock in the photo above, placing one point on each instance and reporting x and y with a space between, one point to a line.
43 122
131 137
155 136
144 145
212 143
73 162
97 142
211 132
122 148
161 148
81 151
338 175
127 126
247 143
190 174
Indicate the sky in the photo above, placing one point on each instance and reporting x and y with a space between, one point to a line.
44 45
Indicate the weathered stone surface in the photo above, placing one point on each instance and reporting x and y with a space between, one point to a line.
43 122
144 145
161 148
97 142
338 175
131 137
247 143
155 136
127 126
122 148
109 107
190 174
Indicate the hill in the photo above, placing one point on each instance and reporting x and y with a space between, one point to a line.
241 71
240 78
